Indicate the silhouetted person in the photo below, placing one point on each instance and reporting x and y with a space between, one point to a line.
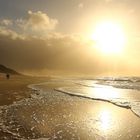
8 76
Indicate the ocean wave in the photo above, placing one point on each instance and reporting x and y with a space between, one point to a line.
120 82
134 105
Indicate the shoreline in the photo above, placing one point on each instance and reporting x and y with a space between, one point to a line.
60 89
60 116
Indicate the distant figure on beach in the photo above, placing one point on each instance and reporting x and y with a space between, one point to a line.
8 76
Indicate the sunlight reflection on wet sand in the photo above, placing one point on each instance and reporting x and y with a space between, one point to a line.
105 118
59 115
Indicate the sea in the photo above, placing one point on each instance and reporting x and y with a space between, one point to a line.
25 118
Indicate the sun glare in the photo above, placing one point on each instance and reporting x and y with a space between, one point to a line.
105 118
109 37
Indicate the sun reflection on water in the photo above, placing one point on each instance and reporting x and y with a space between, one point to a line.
106 116
104 92
105 119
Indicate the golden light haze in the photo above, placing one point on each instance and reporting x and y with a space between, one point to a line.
97 37
109 37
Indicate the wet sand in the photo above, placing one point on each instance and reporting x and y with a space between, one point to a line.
60 116
14 89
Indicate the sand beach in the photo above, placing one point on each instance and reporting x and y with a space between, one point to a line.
26 114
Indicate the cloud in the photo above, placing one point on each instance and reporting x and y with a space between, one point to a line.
80 5
37 21
25 51
57 53
37 24
9 33
6 22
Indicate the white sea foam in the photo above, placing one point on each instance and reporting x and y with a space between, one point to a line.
132 104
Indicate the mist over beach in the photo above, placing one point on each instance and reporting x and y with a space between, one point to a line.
70 70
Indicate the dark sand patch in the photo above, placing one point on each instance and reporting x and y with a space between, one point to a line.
16 88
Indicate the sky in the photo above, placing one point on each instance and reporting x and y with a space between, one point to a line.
57 36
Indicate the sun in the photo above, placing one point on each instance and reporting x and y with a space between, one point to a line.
109 37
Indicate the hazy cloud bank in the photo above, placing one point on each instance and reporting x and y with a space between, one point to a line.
24 48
